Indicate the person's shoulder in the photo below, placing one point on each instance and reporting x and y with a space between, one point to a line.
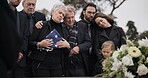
81 23
21 12
39 13
40 16
117 27
120 29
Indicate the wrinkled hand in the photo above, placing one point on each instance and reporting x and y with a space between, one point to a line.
74 51
20 56
63 44
39 24
46 43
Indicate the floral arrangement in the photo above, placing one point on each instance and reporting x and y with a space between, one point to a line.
129 61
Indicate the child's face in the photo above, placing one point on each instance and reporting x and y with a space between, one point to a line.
106 52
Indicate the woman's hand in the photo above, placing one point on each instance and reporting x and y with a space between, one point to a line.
63 44
46 43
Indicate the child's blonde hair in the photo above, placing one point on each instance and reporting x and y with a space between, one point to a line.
108 44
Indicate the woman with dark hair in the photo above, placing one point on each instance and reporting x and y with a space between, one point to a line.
101 16
106 30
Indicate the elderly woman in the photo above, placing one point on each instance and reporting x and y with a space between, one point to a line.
106 30
47 60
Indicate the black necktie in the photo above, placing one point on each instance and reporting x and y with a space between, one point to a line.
89 30
31 24
89 33
18 22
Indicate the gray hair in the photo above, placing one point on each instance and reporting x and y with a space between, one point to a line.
70 8
57 6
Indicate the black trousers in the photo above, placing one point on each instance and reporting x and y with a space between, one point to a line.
28 68
18 72
3 69
41 70
75 73
47 73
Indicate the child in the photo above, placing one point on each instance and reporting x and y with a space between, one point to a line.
107 49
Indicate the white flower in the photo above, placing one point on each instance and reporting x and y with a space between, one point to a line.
123 48
124 68
143 43
127 60
128 74
134 52
116 65
115 55
147 59
142 70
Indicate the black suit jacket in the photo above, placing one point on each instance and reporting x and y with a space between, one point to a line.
92 57
24 33
10 40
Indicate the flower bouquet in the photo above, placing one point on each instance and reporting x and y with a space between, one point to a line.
129 61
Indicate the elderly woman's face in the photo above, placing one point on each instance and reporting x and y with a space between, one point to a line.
102 22
58 15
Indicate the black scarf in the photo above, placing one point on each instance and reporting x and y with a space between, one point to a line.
72 39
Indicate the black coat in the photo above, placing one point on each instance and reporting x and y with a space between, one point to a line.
40 34
56 55
10 40
92 57
83 41
116 35
24 33
25 22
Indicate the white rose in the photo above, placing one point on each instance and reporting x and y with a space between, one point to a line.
128 75
127 60
115 55
123 48
142 70
143 43
116 65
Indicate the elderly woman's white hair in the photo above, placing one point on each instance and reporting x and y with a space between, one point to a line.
57 6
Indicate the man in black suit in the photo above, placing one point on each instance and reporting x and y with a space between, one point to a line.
28 18
30 13
10 40
87 16
18 72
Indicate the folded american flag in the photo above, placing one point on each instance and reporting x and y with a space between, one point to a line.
55 36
